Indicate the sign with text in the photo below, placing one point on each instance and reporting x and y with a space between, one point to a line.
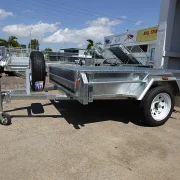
149 34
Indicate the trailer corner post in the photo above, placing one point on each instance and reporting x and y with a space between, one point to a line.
84 90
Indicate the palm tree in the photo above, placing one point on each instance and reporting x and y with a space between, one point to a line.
34 44
47 50
90 45
3 42
11 42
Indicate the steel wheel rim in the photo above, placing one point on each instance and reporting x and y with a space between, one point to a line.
4 120
161 106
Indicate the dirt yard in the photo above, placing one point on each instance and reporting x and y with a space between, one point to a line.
102 141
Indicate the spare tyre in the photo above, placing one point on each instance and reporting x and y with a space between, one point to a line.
38 70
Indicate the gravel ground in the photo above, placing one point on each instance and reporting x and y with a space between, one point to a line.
104 140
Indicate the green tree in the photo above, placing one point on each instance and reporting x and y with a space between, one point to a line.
47 50
34 44
11 42
90 45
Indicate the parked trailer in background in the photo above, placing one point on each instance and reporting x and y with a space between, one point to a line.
14 59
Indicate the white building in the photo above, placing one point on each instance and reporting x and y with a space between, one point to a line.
141 43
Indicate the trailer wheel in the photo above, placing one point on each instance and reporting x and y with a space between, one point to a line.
158 105
5 119
38 70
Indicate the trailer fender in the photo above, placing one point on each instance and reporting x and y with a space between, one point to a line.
171 81
145 90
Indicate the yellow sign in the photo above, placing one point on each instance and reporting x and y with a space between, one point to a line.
149 34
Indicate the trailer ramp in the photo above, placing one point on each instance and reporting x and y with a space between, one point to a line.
109 56
124 54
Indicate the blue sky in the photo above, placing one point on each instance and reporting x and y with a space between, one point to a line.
68 23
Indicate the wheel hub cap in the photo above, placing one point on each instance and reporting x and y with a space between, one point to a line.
160 106
4 120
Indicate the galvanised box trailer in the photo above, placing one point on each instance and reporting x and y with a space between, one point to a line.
155 90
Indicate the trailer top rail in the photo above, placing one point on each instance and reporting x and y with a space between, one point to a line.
114 69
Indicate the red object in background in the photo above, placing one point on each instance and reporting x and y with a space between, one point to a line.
165 78
77 83
130 36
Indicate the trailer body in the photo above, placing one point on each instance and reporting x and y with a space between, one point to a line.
88 83
156 89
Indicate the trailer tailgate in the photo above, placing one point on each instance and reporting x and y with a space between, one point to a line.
63 76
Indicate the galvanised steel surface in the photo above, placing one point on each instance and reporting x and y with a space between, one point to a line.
87 83
107 69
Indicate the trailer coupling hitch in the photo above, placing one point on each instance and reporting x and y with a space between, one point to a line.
6 97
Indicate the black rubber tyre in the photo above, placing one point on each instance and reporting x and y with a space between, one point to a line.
1 69
146 105
38 68
6 119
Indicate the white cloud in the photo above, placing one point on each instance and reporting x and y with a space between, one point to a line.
96 31
123 17
103 22
27 11
21 30
4 14
139 23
